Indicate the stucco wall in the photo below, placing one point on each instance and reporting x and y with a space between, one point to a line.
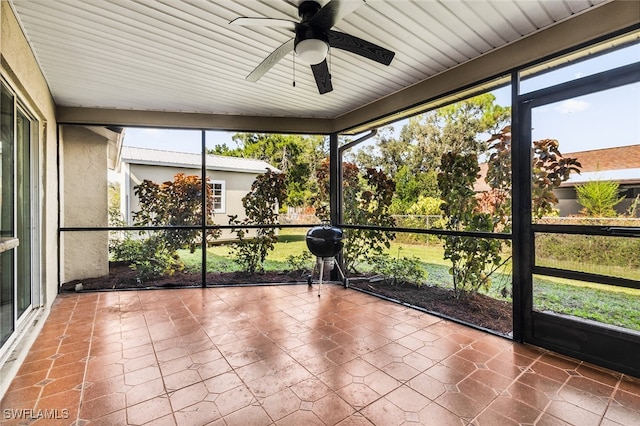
85 199
21 73
237 185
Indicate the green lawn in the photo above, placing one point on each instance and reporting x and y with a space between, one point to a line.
607 304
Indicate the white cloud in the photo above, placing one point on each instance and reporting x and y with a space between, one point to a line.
572 105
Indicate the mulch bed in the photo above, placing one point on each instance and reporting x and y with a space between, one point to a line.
483 311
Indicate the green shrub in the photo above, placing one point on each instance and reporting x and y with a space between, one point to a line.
400 271
599 198
300 262
149 257
589 249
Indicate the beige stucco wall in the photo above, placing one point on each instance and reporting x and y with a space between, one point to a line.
237 185
84 203
21 73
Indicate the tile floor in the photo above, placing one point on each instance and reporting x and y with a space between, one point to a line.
280 355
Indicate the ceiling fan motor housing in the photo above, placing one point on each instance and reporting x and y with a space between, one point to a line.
304 30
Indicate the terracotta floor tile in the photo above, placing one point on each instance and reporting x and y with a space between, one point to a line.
68 400
94 390
115 418
73 381
280 355
202 413
187 396
233 399
311 389
281 404
515 410
149 410
358 395
630 384
477 390
573 414
356 419
181 379
460 404
437 415
528 395
384 412
549 420
252 415
408 399
102 406
145 391
143 375
584 399
332 409
492 418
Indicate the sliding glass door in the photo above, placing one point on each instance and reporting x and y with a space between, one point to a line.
17 221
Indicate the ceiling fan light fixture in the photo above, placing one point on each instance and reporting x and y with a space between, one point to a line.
312 50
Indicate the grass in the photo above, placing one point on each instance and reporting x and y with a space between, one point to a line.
607 304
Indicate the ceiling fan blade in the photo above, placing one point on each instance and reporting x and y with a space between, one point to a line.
360 47
264 22
271 60
333 12
323 77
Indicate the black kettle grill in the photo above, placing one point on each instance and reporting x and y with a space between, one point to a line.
325 242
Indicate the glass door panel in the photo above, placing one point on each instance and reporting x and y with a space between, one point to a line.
24 217
8 239
583 261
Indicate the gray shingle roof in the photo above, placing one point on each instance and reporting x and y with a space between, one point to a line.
157 157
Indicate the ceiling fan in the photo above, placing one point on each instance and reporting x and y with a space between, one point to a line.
313 37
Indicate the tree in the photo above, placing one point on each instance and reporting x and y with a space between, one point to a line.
294 155
455 128
261 208
549 169
599 198
412 159
473 259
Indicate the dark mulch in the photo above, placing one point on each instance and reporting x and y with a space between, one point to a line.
475 309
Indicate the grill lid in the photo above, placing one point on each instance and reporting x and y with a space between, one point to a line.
325 240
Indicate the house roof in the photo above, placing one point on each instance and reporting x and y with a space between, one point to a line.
620 164
157 157
618 158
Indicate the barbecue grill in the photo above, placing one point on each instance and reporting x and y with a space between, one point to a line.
325 242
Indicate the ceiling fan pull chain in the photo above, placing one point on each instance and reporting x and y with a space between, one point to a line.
294 70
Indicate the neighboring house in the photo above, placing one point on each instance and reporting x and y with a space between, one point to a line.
620 164
230 177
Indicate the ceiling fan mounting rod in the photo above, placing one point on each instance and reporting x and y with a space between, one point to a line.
308 9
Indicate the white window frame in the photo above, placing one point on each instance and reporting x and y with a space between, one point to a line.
223 195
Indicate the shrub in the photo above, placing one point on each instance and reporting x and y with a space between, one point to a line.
260 204
300 262
400 271
149 257
599 198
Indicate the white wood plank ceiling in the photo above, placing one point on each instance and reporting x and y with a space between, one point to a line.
183 56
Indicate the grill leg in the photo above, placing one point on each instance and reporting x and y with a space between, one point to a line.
321 272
